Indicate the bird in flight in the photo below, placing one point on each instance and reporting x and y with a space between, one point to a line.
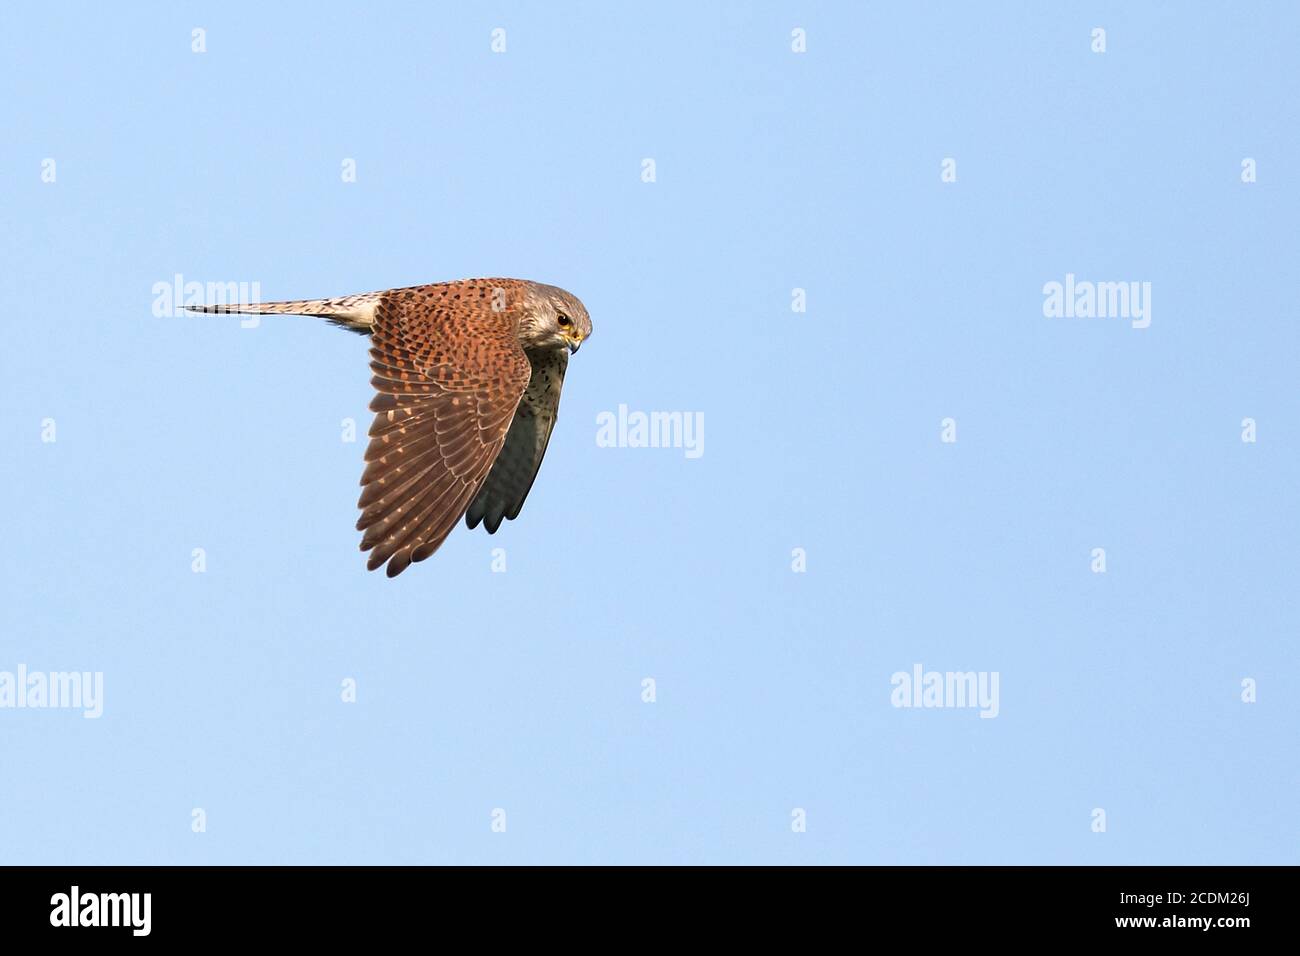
467 377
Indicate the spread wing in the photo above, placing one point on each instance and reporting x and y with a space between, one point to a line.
449 374
516 467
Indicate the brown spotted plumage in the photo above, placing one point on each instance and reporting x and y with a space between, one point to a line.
468 377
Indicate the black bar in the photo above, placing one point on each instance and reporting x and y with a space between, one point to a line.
1172 905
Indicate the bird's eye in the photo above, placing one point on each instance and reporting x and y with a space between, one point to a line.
565 321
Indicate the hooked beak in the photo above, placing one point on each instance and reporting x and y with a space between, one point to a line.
574 345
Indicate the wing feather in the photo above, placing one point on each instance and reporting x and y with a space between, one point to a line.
512 475
449 375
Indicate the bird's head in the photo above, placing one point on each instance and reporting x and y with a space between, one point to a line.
553 319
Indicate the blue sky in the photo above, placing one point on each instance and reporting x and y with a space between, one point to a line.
774 171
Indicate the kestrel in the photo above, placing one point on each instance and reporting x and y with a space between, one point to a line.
468 378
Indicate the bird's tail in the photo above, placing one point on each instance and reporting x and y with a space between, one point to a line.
355 312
